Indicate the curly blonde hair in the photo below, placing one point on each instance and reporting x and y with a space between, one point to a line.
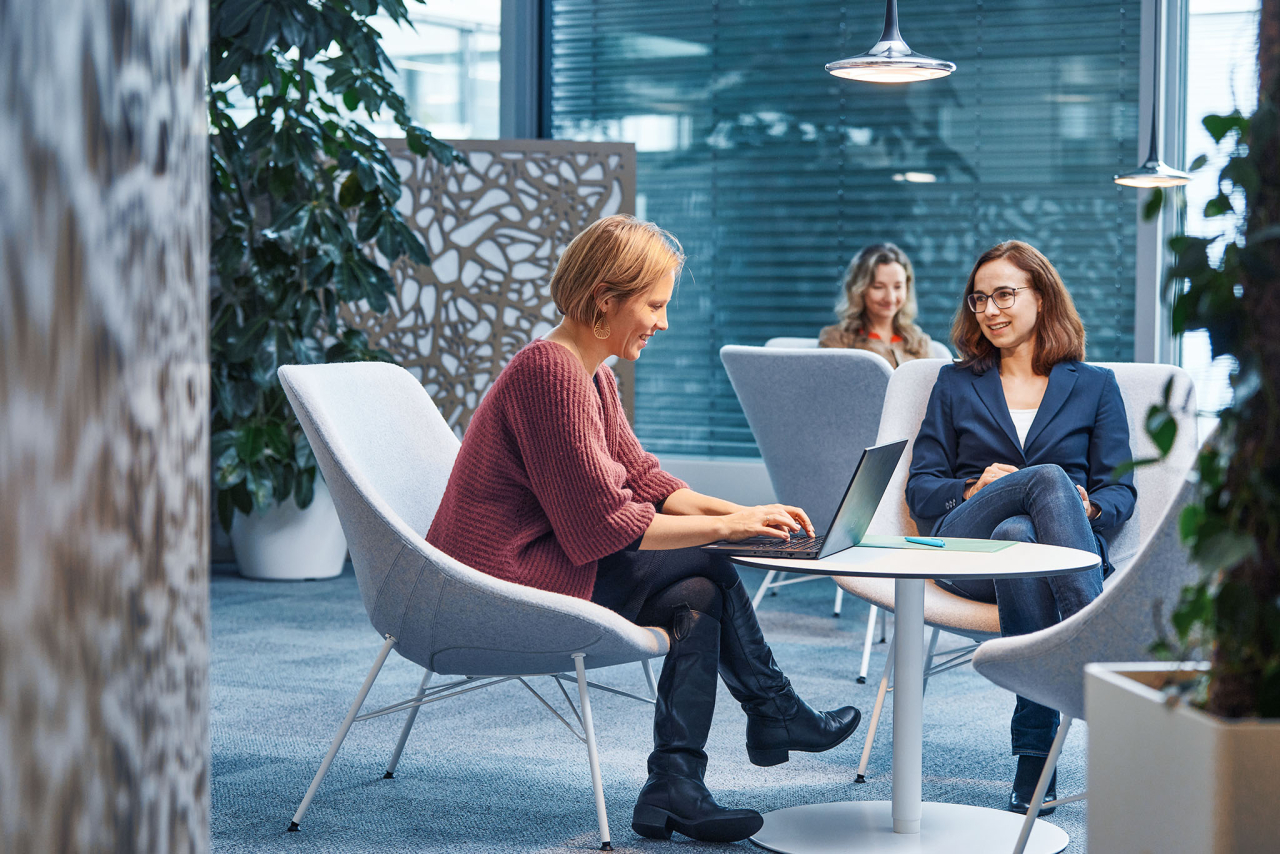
859 275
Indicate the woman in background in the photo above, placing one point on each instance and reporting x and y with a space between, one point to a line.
1022 440
570 502
877 307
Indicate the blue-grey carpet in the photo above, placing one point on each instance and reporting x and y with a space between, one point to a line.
492 770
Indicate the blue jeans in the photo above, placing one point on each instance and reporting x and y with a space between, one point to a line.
1038 504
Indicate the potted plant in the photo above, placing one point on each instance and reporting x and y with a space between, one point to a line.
1187 757
303 206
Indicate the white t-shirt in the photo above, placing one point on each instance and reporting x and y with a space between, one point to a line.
1022 419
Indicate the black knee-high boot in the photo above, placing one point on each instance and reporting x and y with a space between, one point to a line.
674 797
778 721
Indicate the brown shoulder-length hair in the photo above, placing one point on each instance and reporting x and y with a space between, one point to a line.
1059 332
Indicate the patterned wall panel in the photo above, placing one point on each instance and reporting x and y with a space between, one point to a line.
494 232
104 620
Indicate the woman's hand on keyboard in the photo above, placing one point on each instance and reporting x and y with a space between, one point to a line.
767 520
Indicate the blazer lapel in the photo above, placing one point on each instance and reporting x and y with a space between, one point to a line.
1061 380
991 393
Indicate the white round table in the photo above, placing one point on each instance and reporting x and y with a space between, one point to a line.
905 824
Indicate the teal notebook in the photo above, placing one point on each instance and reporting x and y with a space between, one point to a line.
954 544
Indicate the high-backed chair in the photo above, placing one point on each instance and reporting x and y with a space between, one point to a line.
793 343
812 411
386 454
906 399
937 350
1048 666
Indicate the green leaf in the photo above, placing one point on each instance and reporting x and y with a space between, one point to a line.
243 396
243 342
1155 201
227 469
277 440
258 482
1199 163
1162 428
368 178
241 497
1189 522
304 488
1218 206
303 457
351 99
1219 126
251 443
1224 550
264 29
350 193
230 17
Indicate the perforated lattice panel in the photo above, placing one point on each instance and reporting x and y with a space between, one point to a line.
494 232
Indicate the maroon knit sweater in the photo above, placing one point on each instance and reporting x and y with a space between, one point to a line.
550 478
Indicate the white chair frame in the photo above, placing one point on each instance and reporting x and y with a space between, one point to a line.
426 695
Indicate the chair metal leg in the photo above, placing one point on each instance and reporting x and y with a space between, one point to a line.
593 757
648 677
884 620
764 588
342 732
866 645
875 715
1042 786
928 659
839 600
408 725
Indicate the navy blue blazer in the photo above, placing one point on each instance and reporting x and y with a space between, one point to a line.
1080 426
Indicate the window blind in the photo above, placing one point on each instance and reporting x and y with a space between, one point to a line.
773 173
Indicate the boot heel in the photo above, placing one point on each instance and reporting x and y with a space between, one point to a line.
651 822
765 758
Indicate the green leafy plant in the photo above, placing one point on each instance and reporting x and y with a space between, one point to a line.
301 193
1233 528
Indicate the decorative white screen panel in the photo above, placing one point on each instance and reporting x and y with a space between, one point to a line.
494 232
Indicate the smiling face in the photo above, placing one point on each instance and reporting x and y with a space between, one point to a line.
886 293
634 321
1013 327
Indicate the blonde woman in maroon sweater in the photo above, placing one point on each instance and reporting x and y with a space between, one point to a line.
550 464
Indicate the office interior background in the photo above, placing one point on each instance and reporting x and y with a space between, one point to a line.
771 172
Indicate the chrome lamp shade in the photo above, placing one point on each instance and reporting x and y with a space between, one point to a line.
1154 173
891 60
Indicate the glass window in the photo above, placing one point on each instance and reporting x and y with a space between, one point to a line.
447 67
1222 75
773 173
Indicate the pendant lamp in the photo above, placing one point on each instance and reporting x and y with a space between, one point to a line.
1155 172
891 60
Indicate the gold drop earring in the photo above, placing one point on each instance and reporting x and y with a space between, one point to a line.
601 329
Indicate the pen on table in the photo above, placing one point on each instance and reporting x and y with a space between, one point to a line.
927 541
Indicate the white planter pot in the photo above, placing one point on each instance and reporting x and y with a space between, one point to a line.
1174 779
288 544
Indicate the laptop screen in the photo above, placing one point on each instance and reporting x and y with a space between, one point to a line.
870 479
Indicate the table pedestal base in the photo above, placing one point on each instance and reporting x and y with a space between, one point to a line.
866 827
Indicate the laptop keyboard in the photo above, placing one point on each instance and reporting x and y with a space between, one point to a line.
795 544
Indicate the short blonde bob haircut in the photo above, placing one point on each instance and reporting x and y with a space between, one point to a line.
1059 330
618 256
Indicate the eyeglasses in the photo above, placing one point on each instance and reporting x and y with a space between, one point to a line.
1002 297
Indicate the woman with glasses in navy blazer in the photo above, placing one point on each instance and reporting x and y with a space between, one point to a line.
1022 441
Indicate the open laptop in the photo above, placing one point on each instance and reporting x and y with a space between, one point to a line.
861 499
